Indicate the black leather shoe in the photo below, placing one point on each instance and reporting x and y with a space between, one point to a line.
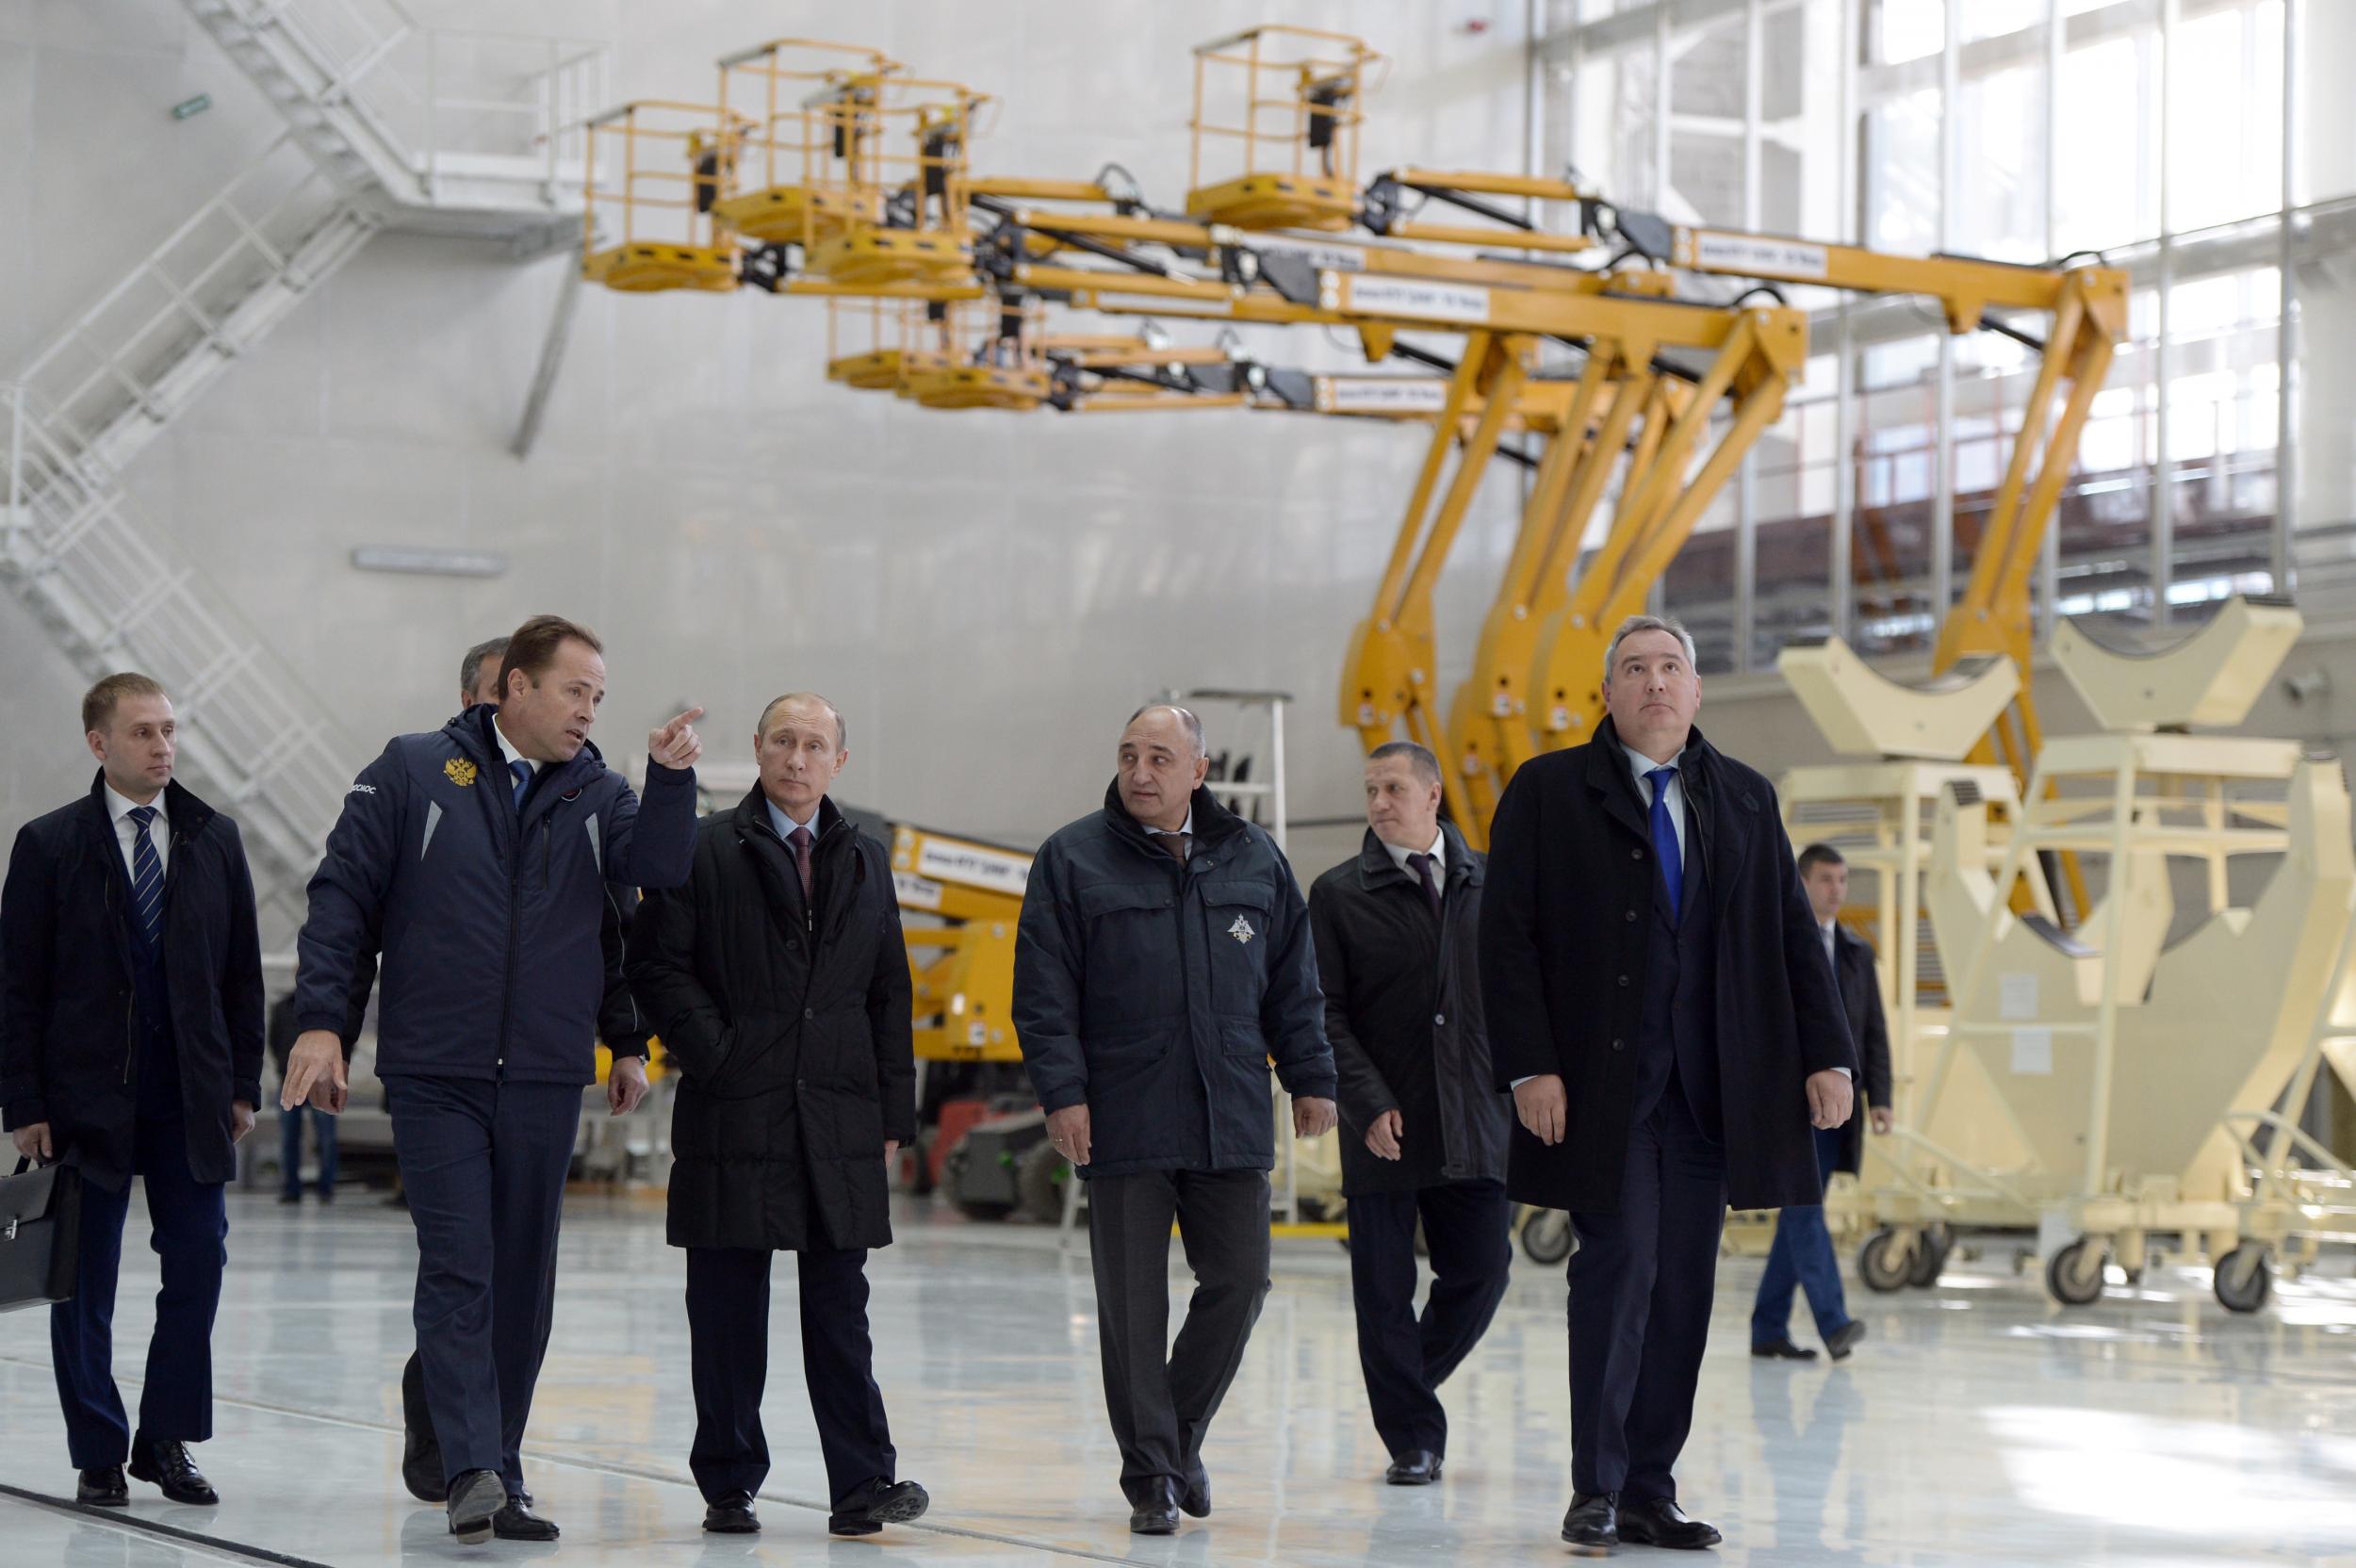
290 1198
1659 1522
420 1454
732 1515
167 1465
1593 1525
476 1498
1845 1339
104 1488
877 1504
1154 1511
1416 1467
1781 1349
1195 1501
518 1523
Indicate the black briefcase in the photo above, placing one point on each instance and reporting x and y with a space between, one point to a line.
41 1236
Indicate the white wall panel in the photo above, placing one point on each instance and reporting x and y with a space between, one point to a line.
985 595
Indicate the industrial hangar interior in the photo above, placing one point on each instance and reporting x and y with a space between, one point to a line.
1960 386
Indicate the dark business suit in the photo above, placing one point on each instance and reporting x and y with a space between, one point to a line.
132 1024
1684 1028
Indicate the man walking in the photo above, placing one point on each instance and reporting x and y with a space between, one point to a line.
131 1045
779 981
1802 1253
494 835
1424 1123
1660 1004
1163 956
621 1028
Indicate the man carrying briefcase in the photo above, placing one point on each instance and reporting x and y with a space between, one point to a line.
131 1045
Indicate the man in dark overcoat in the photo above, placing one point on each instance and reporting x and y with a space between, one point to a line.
1424 1123
778 984
1660 1006
131 1045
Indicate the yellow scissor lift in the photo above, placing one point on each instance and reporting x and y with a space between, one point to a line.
809 161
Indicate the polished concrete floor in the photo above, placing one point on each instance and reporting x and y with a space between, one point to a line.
1976 1425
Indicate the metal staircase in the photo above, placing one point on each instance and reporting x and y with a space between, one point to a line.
388 126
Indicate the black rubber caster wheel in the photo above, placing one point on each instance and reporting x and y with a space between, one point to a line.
2243 1279
2063 1278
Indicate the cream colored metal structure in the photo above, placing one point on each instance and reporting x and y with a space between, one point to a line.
1902 747
2128 1071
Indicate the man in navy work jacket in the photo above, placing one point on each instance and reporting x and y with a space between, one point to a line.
1660 1004
494 835
621 1028
1163 956
131 1044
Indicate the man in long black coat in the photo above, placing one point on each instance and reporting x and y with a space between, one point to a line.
1162 960
1801 1255
778 984
1424 1123
1662 1011
131 1045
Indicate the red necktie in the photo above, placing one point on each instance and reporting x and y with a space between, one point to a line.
800 841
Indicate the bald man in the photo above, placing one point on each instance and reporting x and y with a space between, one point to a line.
1162 960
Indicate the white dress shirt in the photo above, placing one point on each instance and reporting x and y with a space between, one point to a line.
127 832
1183 833
1831 947
507 750
1640 764
783 819
1439 859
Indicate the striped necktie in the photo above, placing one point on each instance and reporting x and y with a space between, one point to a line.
147 883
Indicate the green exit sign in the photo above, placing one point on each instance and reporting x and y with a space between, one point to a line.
195 105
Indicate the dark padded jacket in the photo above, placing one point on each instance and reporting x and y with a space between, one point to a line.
66 1053
488 920
788 1019
1156 993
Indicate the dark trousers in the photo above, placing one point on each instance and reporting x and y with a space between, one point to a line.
1641 1285
483 1164
1406 1358
290 1149
728 1329
1801 1255
1161 1398
190 1232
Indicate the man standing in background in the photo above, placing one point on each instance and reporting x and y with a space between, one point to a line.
131 1045
1802 1253
494 836
1162 959
1424 1123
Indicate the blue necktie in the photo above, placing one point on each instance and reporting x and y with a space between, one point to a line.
147 883
1664 837
523 780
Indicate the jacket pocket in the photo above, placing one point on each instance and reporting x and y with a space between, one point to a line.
1238 918
1132 963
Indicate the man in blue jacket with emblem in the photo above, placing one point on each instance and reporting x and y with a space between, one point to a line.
495 835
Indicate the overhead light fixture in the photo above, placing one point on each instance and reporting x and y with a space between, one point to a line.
429 563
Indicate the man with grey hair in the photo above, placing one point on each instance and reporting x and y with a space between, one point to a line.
1162 959
1660 1004
1397 929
